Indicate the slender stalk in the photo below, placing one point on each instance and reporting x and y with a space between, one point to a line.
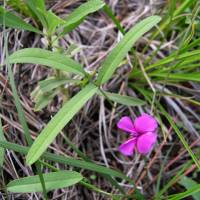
22 120
19 108
117 23
66 160
109 12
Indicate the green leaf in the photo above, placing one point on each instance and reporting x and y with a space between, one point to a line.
191 56
53 180
53 22
193 190
21 114
78 15
58 122
19 6
48 58
123 47
42 100
181 137
178 76
14 21
70 27
48 89
37 7
54 82
122 99
188 183
68 161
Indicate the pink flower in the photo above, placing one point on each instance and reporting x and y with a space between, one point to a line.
142 131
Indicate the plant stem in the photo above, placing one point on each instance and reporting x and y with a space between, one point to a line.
19 108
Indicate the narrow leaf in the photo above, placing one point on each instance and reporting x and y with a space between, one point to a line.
14 21
67 161
178 76
48 58
78 15
54 82
19 6
53 180
37 7
123 99
42 100
188 183
58 122
181 137
53 22
123 47
193 190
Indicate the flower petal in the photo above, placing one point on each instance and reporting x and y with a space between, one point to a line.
145 142
145 123
127 147
126 124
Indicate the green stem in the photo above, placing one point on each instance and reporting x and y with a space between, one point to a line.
94 188
67 161
109 12
20 111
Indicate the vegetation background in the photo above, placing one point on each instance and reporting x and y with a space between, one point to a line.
162 70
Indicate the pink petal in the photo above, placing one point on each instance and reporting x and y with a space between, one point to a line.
145 142
145 123
127 147
126 124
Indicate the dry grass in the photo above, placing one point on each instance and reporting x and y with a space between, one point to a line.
93 130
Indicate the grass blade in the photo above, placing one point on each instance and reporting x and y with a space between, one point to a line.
37 7
182 139
20 112
123 47
189 192
48 58
178 76
188 183
58 122
53 180
14 21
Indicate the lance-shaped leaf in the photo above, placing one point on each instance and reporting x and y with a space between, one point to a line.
37 7
53 21
78 15
58 122
53 180
47 58
13 21
53 82
123 47
122 99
